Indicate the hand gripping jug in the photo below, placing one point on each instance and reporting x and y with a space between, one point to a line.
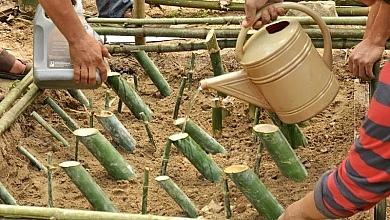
52 64
283 71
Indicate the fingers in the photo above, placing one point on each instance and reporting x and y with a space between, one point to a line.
265 17
281 11
370 74
105 52
91 75
258 25
250 14
273 12
76 74
102 71
84 74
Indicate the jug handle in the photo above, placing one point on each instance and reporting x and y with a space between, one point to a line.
327 56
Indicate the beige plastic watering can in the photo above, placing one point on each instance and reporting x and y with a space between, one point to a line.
283 71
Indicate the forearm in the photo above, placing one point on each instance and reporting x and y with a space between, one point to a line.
378 25
64 16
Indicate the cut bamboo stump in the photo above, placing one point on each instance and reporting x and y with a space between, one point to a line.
129 96
32 159
255 191
165 159
69 122
6 197
197 156
281 151
201 137
29 212
79 96
178 195
119 133
217 120
50 129
13 113
152 71
215 55
105 153
87 186
15 93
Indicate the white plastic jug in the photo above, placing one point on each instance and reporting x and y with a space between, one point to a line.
52 64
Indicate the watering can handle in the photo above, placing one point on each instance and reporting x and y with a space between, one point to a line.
327 56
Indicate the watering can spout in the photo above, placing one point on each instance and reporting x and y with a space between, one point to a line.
238 85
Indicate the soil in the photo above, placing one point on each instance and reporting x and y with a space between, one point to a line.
330 135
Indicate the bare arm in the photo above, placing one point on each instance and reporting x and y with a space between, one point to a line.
303 209
86 53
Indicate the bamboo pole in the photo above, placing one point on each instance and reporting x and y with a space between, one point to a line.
281 151
129 96
145 190
32 159
76 149
120 104
6 197
223 43
201 137
148 130
165 159
196 155
255 191
13 113
69 122
50 129
217 121
226 199
183 83
79 96
153 72
191 71
233 20
178 196
233 6
116 129
15 93
70 214
105 153
259 154
49 181
87 186
91 113
107 100
139 12
215 55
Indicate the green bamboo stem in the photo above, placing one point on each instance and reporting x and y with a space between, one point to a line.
215 55
139 12
50 129
76 149
191 71
233 20
32 159
13 113
201 33
226 199
217 121
291 132
105 153
129 96
201 137
281 151
116 129
197 156
107 100
257 116
153 72
71 214
148 130
79 96
165 159
178 196
352 11
259 154
120 104
135 81
255 191
183 83
223 43
380 210
145 190
87 186
6 197
233 6
49 181
15 93
69 122
91 113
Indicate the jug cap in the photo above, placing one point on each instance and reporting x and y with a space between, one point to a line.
269 41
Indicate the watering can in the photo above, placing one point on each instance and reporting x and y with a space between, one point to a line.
283 72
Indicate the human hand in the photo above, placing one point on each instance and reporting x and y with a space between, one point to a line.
363 57
87 56
270 13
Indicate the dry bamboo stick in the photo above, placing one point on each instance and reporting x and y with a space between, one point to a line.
15 93
183 83
217 121
71 214
165 159
148 130
49 181
139 12
12 114
191 71
226 198
145 190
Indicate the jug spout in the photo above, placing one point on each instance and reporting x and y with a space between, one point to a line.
238 85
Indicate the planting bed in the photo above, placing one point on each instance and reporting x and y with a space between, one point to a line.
330 135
